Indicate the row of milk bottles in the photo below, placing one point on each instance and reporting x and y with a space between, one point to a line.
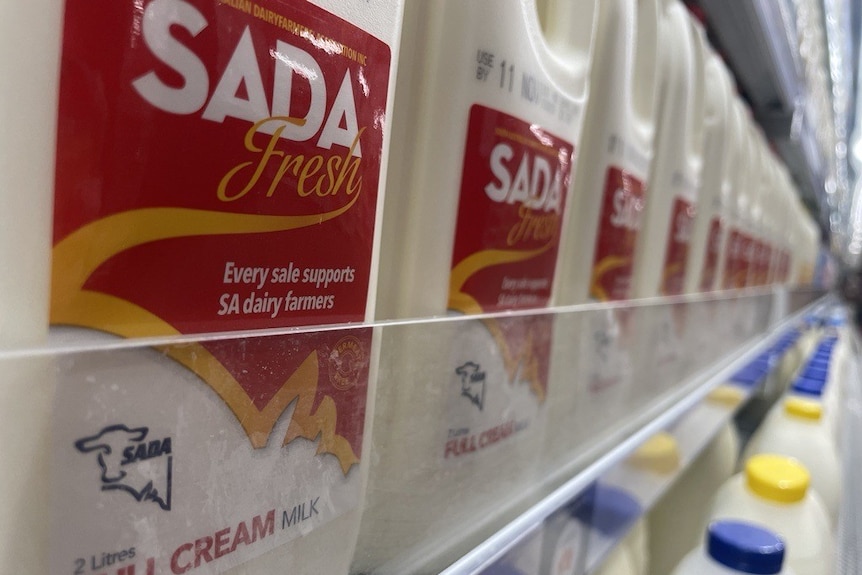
671 189
780 512
655 182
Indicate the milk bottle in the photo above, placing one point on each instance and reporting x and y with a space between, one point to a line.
663 242
773 491
219 168
798 431
491 122
598 246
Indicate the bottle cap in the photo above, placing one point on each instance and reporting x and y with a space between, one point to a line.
745 547
814 372
777 478
806 386
659 454
803 408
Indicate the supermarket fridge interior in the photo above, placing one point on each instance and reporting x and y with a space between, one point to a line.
421 287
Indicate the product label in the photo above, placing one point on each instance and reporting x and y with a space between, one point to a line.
153 475
514 187
217 169
676 252
620 220
736 262
711 259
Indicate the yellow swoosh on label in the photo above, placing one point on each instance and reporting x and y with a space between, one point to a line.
604 266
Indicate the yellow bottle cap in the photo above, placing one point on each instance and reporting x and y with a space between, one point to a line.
728 395
659 454
777 478
804 408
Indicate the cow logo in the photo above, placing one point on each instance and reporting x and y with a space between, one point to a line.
472 383
132 463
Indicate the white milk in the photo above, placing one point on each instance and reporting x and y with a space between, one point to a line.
677 519
30 34
773 491
675 181
722 142
490 122
220 167
798 431
735 547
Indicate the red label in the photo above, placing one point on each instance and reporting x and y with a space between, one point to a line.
676 252
513 193
713 252
210 149
746 265
734 265
619 222
217 169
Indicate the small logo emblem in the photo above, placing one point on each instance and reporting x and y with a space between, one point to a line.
130 462
472 383
346 362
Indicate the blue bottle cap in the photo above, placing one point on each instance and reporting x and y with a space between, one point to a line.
747 376
815 373
745 547
819 363
811 387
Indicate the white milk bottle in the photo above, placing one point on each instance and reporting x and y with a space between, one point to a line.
734 265
721 157
773 491
489 125
219 168
618 145
677 519
30 35
735 547
663 242
798 431
664 239
598 244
